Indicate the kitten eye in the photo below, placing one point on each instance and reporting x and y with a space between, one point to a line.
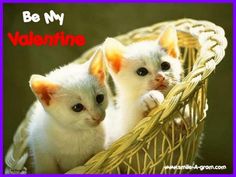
78 107
100 98
142 71
165 66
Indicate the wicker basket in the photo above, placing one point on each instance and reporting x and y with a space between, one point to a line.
157 141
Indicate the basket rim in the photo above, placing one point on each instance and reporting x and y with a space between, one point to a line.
209 57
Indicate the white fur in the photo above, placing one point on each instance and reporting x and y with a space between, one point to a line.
151 99
59 138
135 92
56 149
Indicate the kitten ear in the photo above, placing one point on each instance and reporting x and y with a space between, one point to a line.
113 50
43 88
96 67
169 41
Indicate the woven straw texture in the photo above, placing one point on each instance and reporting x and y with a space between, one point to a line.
159 139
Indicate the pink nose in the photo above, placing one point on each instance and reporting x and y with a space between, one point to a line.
159 78
97 119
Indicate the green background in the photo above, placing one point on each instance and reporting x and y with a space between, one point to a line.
96 22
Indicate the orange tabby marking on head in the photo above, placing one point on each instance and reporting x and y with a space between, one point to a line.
115 60
96 67
169 41
172 53
44 91
97 71
101 76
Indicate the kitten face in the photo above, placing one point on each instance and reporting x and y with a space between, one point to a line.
145 66
74 95
81 105
148 67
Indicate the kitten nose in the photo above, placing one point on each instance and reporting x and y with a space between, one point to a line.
159 78
97 119
99 116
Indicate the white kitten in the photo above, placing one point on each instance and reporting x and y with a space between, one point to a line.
65 129
143 72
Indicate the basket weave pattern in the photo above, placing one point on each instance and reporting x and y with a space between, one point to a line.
158 140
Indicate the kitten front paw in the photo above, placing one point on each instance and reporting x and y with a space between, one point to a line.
150 100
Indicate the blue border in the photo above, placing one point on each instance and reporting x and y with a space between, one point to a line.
116 1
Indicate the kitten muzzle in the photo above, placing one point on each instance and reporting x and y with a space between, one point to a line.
160 87
160 83
98 119
160 78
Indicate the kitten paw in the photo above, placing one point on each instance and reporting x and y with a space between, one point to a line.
151 100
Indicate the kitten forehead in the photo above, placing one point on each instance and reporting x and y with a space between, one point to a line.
75 77
143 50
